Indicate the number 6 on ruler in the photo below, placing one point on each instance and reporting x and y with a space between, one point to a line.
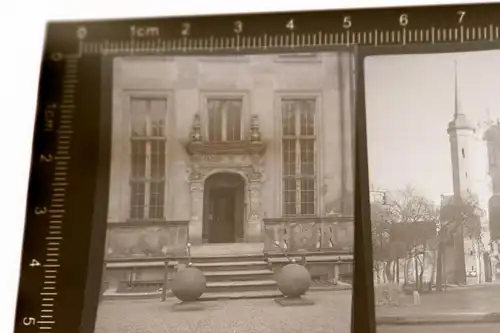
403 20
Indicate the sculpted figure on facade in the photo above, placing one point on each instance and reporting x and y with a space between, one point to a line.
255 129
194 173
196 129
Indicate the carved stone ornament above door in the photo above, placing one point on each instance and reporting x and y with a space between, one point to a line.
243 157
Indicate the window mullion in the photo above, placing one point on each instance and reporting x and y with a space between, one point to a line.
224 125
148 166
297 166
315 177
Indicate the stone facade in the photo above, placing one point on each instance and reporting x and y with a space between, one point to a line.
261 82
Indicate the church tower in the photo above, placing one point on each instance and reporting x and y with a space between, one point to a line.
461 134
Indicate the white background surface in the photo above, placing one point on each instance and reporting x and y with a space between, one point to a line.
22 29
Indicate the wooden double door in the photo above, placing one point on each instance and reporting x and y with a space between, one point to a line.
224 207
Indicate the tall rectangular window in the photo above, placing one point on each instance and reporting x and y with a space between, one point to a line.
299 157
224 119
148 155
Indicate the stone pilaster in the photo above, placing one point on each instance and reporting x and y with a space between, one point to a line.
254 223
196 221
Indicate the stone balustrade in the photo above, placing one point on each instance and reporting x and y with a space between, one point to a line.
309 234
146 239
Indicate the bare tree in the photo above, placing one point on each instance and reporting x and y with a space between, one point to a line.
396 212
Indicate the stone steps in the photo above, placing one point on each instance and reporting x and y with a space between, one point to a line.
227 251
232 271
239 278
206 267
239 286
234 275
240 295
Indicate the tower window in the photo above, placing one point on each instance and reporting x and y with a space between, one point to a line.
463 153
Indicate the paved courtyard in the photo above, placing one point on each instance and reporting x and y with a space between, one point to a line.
471 328
330 313
467 300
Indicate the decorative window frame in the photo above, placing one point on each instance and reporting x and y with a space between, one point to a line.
318 147
222 94
125 126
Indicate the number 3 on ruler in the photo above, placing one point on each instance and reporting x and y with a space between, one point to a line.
238 27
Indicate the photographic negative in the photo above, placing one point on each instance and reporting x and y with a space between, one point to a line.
231 184
433 140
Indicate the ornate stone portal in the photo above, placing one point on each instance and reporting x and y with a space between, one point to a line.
242 157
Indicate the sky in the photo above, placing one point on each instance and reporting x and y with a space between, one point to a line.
409 103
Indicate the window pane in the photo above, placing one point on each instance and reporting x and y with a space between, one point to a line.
298 123
233 124
306 117
148 154
137 200
306 157
307 197
156 199
288 117
289 154
138 159
289 196
158 110
214 120
139 113
157 159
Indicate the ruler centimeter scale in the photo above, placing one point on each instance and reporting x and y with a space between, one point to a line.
54 212
148 39
403 36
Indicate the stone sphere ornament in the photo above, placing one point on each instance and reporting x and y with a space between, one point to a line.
293 280
189 284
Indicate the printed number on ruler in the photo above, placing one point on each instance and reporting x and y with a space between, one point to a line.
185 29
238 27
461 15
